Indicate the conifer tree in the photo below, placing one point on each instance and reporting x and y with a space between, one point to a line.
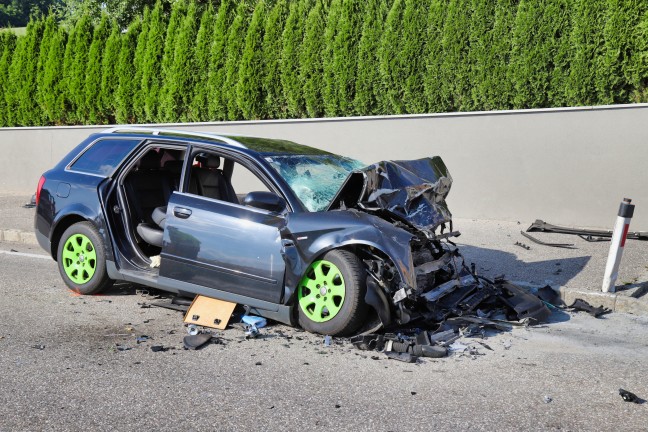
178 83
588 42
413 41
368 85
275 105
530 65
433 57
140 62
28 113
166 102
250 92
329 82
613 76
498 88
50 88
293 37
198 107
8 44
310 59
14 82
127 74
158 56
48 37
77 74
217 105
109 77
562 21
481 34
390 72
235 42
455 70
638 67
345 52
23 79
91 107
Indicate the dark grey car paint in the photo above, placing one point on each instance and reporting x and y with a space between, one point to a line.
222 245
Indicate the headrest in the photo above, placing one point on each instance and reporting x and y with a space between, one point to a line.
151 160
209 161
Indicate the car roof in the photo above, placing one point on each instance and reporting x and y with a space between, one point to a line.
266 146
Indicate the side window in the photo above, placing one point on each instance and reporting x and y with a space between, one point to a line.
104 156
216 177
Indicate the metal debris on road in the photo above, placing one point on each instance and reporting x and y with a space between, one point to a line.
540 242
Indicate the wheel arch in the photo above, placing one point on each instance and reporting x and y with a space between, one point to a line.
375 297
81 214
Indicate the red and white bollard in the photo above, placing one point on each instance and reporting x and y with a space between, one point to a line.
618 243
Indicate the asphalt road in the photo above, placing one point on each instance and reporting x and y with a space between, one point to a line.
64 366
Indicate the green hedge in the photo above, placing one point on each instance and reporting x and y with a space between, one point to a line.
261 59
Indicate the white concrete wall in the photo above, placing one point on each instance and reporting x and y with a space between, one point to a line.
567 166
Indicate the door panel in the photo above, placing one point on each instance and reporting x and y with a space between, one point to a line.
223 246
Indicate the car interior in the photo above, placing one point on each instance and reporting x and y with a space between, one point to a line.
157 174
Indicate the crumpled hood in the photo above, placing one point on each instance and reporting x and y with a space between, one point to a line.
413 191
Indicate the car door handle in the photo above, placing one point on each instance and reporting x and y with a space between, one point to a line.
181 212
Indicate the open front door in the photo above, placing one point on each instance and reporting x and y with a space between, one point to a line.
223 246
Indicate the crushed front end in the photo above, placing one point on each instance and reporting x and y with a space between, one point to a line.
439 284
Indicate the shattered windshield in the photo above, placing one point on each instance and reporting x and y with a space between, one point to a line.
315 179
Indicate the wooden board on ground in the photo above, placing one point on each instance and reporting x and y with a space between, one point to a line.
209 312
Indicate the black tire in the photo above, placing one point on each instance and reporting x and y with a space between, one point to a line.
353 309
99 279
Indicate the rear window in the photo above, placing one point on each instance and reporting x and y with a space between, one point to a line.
104 156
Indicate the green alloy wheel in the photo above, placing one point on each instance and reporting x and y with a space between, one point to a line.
321 291
330 295
81 259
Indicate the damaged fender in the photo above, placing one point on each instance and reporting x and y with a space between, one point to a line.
345 229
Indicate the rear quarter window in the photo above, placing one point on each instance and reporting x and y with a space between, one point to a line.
104 156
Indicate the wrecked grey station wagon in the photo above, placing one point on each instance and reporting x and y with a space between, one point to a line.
299 235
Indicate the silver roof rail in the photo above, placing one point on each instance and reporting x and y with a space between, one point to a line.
172 132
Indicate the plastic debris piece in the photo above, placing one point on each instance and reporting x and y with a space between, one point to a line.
253 320
327 340
369 342
159 348
548 399
630 397
582 305
403 357
457 347
251 332
485 345
431 351
549 295
507 344
142 338
38 347
194 342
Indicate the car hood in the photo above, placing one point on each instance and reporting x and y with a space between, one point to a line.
411 191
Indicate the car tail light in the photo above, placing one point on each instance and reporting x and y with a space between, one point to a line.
41 182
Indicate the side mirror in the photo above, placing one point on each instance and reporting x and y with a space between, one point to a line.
266 201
